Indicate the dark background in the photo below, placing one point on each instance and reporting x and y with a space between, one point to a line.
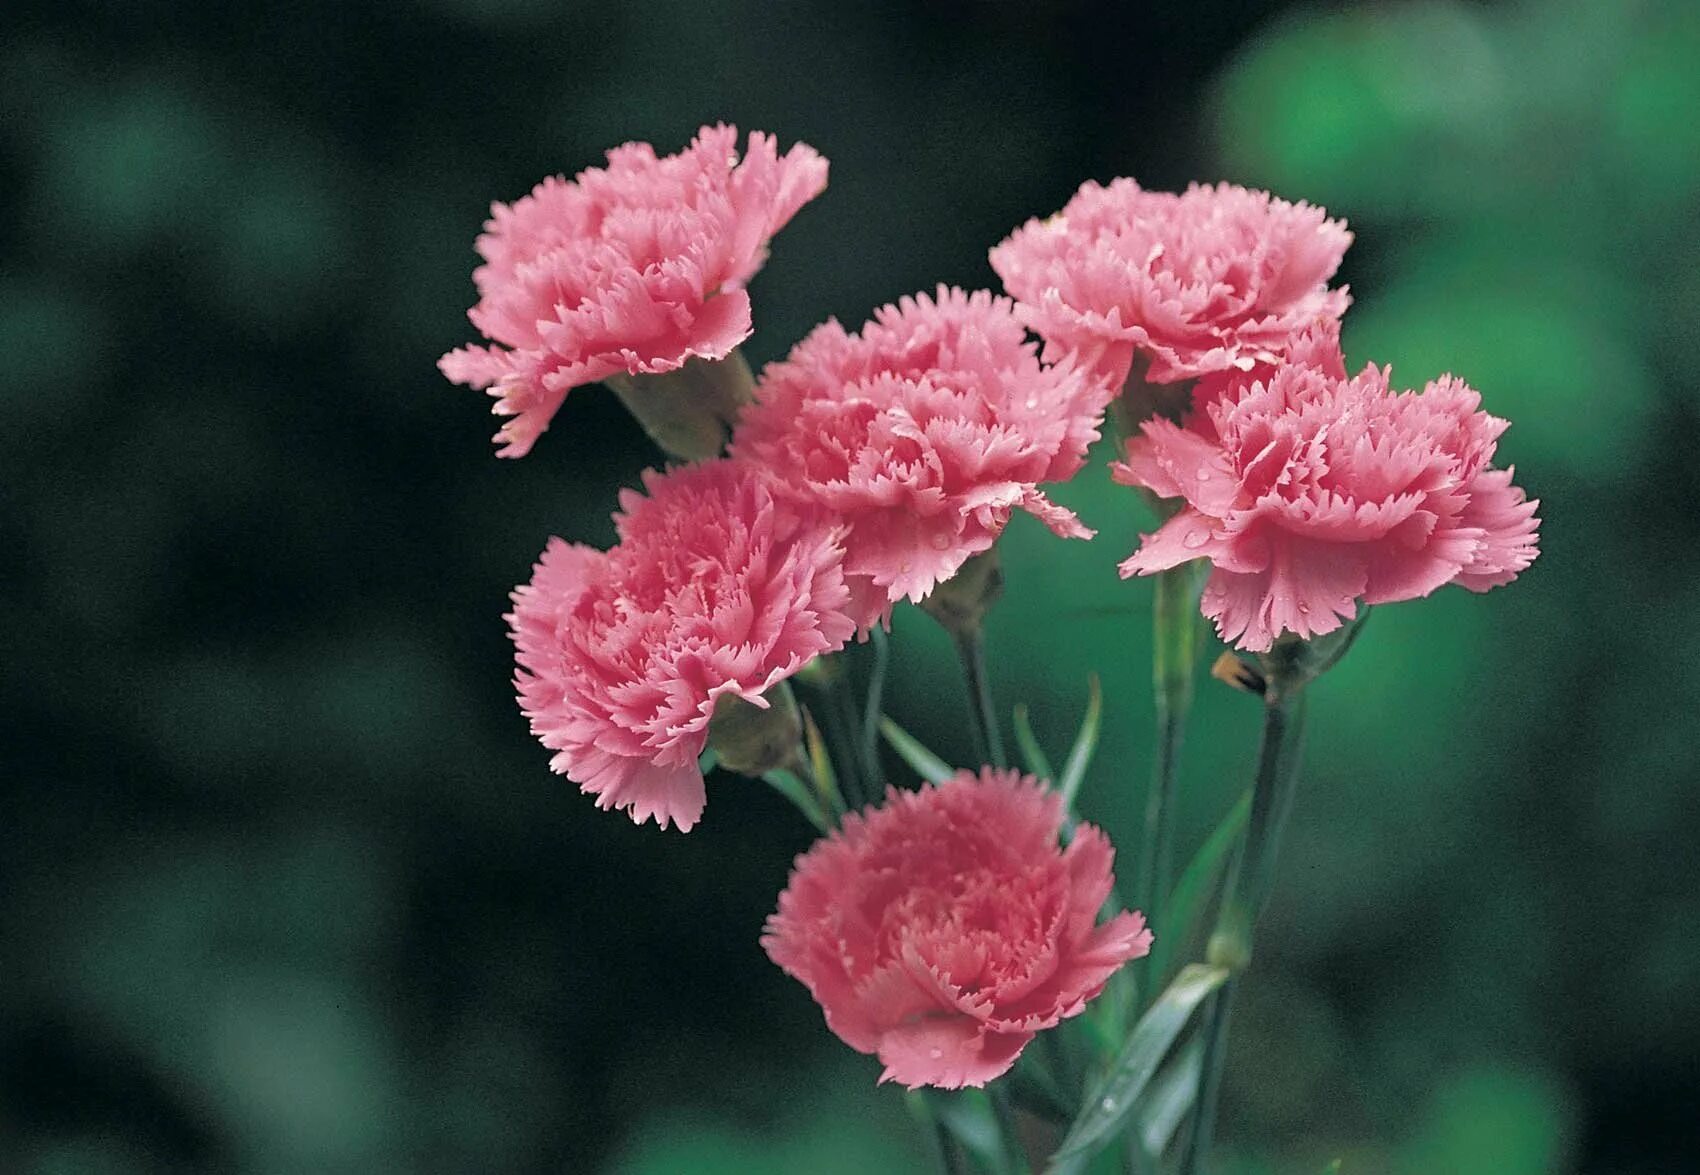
285 886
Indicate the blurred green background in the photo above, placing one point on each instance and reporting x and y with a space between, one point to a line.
286 887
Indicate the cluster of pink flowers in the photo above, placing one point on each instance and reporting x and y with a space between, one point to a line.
1307 491
944 929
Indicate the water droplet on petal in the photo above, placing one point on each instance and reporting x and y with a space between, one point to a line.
941 541
935 1054
1195 539
1204 475
1304 609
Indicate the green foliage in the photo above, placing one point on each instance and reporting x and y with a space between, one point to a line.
920 760
1183 913
1085 743
1113 1102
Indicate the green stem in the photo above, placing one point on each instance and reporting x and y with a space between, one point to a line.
982 710
1014 1157
1250 876
1215 1034
955 1163
839 725
1175 623
871 713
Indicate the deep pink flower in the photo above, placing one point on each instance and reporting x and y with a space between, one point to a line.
922 433
1215 278
715 587
945 929
635 268
1309 491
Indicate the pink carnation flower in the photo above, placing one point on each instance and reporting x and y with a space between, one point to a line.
1309 491
922 433
1215 278
633 268
946 929
715 588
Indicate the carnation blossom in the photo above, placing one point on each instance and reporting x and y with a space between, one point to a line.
715 588
1309 491
1215 278
944 930
635 268
922 433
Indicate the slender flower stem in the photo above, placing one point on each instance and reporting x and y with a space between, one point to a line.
1175 623
1250 876
982 710
951 1151
1014 1157
871 713
848 744
839 725
925 1112
1215 1034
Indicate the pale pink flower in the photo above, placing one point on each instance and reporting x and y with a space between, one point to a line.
1215 278
634 268
1309 492
922 433
944 930
716 587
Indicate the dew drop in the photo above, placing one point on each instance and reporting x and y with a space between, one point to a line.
1203 475
1032 401
1108 1105
941 541
1304 609
935 1054
1195 539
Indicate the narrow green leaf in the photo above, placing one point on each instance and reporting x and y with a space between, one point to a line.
795 790
1169 1098
820 766
969 1117
1032 754
1085 743
1111 1104
924 763
1183 912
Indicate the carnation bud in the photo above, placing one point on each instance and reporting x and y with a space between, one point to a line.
961 602
753 740
691 411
